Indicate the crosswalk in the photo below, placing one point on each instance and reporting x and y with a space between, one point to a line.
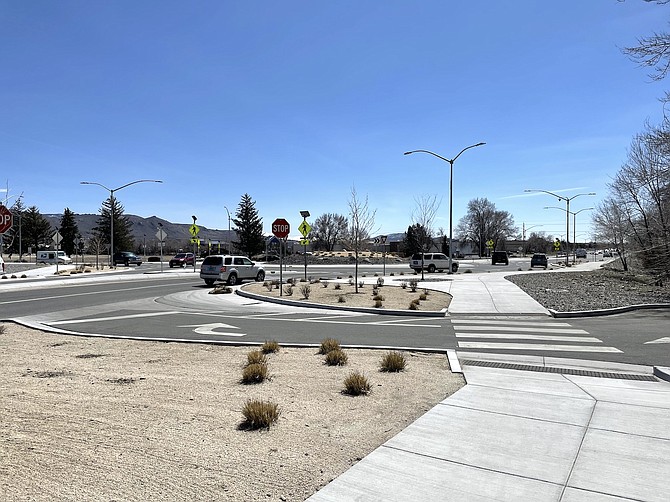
523 334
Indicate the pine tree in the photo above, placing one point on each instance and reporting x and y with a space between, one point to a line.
249 227
122 236
69 231
11 238
35 229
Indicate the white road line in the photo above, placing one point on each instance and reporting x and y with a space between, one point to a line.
572 331
112 318
665 339
514 336
528 346
513 322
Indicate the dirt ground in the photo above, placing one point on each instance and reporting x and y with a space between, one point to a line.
102 419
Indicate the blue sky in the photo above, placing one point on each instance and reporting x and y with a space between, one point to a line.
295 102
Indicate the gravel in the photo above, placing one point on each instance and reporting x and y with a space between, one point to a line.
599 289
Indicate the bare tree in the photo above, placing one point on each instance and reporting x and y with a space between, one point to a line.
484 222
611 224
361 224
425 209
653 51
328 229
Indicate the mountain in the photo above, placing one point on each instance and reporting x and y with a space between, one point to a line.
178 235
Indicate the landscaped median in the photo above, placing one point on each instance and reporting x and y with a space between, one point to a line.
403 298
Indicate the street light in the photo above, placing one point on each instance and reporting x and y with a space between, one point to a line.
451 189
574 226
567 215
111 200
523 236
228 235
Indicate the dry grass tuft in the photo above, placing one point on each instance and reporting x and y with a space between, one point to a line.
356 384
336 357
393 362
329 344
259 414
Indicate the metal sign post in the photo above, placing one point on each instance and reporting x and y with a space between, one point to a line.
161 236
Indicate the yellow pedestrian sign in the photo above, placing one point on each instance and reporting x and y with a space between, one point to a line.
195 240
305 228
304 242
194 230
489 243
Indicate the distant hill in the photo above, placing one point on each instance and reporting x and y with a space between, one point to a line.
177 233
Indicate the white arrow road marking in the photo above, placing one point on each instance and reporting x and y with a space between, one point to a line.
210 329
665 339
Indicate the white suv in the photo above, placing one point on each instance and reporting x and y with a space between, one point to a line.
432 262
229 269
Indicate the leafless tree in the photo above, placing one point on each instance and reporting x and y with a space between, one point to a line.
328 229
361 224
612 226
425 209
653 51
484 222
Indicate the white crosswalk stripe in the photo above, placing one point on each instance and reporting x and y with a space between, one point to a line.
510 334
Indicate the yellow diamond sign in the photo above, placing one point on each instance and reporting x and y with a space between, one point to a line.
305 228
194 230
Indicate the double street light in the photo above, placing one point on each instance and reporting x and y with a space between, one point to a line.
451 190
111 209
567 215
574 226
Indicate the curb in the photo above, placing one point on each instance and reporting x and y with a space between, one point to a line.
365 310
602 312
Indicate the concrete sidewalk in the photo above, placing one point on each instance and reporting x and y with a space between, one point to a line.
512 435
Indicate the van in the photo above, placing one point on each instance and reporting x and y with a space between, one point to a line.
53 257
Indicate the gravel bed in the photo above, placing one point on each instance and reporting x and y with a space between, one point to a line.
599 289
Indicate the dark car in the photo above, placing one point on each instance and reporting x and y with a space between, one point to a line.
126 258
499 257
539 260
182 259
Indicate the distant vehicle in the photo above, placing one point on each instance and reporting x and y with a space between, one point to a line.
127 258
264 257
229 269
499 257
539 260
53 257
580 253
182 259
432 262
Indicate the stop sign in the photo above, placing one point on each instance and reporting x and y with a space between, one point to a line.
6 219
281 228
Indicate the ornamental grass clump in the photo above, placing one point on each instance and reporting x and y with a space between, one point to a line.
254 373
423 297
356 384
329 344
305 290
256 357
259 414
270 347
393 362
338 286
341 299
288 290
378 304
336 357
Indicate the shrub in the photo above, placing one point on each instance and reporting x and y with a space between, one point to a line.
468 271
392 274
426 291
2 330
288 290
259 414
329 344
413 306
402 273
339 277
270 347
403 284
379 298
351 282
302 279
361 284
378 303
380 282
338 286
375 290
376 274
256 357
341 299
413 284
254 373
325 284
356 384
336 357
305 289
393 362
423 297
267 285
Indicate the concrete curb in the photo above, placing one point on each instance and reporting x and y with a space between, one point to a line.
602 312
365 310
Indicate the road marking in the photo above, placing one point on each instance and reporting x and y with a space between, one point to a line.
111 318
522 329
528 346
210 329
511 321
521 336
665 339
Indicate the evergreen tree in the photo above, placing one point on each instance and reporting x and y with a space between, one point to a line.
249 227
69 230
15 234
123 238
35 229
416 239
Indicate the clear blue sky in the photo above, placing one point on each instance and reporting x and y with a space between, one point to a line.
295 102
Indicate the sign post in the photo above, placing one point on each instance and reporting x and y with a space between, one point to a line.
281 229
382 238
305 229
57 238
194 230
161 236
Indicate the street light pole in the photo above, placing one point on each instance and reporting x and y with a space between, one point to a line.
111 200
451 191
567 216
523 237
228 246
574 226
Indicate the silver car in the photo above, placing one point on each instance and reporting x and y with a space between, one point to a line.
229 269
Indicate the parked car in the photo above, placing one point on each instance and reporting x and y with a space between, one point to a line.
432 262
182 259
539 260
126 258
499 257
580 253
230 269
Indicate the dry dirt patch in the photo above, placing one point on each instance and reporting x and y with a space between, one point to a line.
102 419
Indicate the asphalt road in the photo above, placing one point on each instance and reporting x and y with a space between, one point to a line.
176 306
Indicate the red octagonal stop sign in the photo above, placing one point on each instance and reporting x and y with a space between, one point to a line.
281 228
6 219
